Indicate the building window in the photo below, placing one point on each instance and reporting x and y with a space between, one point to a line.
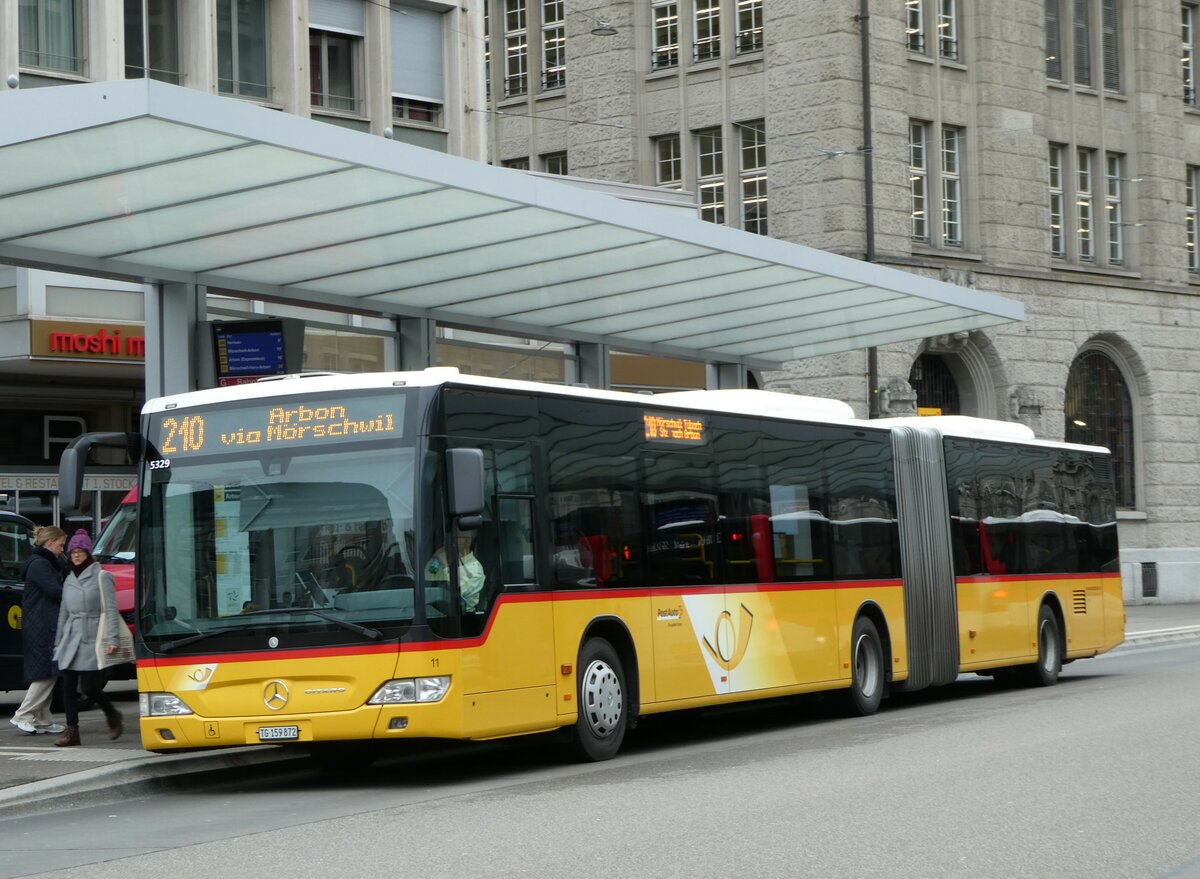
1099 180
944 18
516 164
1086 41
754 175
418 66
666 35
947 28
1113 165
1084 206
554 45
914 29
1188 54
951 187
1054 65
918 176
333 71
416 112
152 40
487 51
668 162
749 26
555 163
710 176
516 49
949 183
49 34
1058 245
1110 25
1081 30
706 25
1193 212
1099 412
242 48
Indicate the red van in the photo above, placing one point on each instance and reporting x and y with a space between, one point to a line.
116 551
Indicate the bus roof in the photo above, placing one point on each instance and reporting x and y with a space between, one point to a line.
764 404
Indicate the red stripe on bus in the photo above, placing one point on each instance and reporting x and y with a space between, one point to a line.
581 595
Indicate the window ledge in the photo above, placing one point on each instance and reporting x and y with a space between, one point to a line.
1132 516
747 57
919 249
50 73
420 126
338 114
663 72
1095 270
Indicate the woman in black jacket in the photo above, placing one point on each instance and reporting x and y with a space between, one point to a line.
43 575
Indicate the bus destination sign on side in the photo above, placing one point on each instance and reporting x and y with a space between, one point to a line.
276 425
671 427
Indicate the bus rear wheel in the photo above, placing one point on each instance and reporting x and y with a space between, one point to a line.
602 700
867 675
1044 672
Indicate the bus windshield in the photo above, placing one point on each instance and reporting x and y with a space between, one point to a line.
304 535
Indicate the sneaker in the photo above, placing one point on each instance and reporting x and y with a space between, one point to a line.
53 729
24 726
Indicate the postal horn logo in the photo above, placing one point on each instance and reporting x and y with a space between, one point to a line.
731 640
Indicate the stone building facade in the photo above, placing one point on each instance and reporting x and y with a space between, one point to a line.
1041 150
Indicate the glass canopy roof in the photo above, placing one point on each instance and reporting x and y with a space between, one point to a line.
152 182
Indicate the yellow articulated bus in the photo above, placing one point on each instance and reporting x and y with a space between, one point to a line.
411 555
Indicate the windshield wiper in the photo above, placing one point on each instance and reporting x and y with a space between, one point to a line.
366 631
168 646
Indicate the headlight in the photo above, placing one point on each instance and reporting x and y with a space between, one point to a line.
411 690
161 704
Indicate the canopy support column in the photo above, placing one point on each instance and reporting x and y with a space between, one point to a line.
418 343
171 339
592 365
726 375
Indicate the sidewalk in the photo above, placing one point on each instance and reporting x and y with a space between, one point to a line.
32 769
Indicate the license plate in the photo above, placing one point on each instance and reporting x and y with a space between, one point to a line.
278 733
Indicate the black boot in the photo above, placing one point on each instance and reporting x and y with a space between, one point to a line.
116 724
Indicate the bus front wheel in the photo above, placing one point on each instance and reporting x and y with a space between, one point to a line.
602 700
866 668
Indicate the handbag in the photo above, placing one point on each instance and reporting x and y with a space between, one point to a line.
124 651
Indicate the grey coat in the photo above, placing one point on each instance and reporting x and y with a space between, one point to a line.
79 618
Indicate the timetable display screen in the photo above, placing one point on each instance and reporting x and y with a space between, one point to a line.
277 424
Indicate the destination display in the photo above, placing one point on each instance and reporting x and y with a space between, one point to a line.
276 425
671 427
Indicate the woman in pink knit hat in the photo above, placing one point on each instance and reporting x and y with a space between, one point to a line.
78 625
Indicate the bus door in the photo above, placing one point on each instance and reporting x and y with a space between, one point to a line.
694 647
508 667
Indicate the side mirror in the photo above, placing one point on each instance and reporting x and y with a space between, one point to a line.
465 469
74 461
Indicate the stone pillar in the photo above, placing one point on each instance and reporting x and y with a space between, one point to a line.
418 346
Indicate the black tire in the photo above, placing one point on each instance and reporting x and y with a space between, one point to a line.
603 701
1044 673
868 675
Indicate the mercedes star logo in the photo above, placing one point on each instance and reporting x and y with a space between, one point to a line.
275 695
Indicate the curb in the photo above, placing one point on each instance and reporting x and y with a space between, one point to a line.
1155 636
102 782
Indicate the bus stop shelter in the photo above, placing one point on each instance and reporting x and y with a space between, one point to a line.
143 181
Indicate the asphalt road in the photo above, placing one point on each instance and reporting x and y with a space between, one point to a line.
1093 778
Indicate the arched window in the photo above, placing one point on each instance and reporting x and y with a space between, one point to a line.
1099 412
935 385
